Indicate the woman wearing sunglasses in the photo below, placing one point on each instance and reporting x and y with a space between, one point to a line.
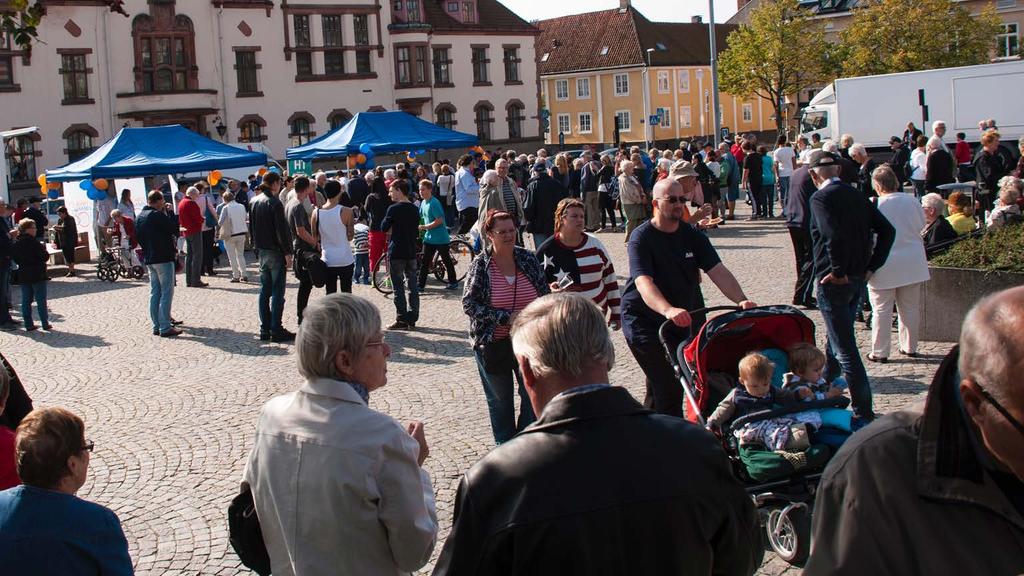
44 527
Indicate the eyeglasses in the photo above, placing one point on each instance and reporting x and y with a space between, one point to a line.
506 232
999 408
673 199
89 445
380 342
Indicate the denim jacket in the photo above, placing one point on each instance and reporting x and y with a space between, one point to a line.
476 300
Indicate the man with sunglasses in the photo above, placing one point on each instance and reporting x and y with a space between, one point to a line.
937 488
666 257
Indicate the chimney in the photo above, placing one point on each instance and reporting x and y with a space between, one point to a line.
624 4
696 19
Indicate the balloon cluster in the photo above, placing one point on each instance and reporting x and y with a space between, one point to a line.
95 189
364 159
412 154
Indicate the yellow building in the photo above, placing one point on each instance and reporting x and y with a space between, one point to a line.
616 64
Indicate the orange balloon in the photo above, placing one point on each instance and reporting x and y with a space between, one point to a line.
53 185
361 159
215 177
41 180
101 183
261 171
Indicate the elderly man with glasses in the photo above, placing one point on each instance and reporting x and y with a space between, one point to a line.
937 488
666 257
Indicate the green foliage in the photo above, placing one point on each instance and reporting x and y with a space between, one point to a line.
999 250
889 36
21 21
780 52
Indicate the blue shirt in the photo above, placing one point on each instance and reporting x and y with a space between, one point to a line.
429 211
49 532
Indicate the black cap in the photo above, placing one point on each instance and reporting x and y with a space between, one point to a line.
895 139
821 158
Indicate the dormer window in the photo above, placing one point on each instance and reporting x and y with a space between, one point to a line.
453 7
604 51
544 58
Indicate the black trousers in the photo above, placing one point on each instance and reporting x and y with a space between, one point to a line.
342 274
664 392
428 262
607 208
803 291
467 218
209 241
305 286
760 200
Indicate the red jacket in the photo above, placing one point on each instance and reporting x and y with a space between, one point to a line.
129 229
738 153
190 217
8 469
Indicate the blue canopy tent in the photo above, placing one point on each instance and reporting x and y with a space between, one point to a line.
135 152
384 132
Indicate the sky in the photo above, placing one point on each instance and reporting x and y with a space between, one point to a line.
655 10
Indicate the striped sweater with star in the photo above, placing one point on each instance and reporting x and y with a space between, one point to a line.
589 266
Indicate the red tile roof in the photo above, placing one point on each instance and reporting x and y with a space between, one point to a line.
575 42
492 16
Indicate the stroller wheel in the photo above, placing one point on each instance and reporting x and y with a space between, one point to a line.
789 532
106 274
138 272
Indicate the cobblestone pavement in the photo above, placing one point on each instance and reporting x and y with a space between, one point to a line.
173 419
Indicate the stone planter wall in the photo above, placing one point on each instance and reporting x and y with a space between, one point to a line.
950 294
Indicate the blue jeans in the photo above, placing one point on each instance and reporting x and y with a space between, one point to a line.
500 391
361 273
37 292
403 275
271 296
783 192
5 293
839 305
161 293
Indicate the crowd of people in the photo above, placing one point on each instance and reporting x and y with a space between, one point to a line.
584 479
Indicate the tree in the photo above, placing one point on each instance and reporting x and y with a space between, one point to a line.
888 36
19 19
779 53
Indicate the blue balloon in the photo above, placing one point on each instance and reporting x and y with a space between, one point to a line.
365 148
52 194
95 194
85 184
369 155
369 164
274 169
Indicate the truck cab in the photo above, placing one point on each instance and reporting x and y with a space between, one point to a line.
819 117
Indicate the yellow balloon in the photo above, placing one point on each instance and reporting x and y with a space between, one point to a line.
42 181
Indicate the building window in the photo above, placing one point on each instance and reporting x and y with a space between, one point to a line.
300 129
361 24
303 59
515 119
6 70
411 65
363 62
442 67
76 77
484 117
453 7
21 158
480 62
665 117
564 124
79 145
748 112
412 9
1008 41
684 81
469 12
586 124
624 120
245 71
334 57
403 58
664 82
339 118
511 60
684 117
446 117
583 88
164 51
622 84
251 131
561 89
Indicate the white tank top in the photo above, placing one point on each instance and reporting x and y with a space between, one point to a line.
335 249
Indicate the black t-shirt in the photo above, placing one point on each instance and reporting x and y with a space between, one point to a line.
674 262
403 221
297 218
753 163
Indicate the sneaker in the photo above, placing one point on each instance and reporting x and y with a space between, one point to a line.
234 281
245 279
265 336
70 274
176 322
398 325
156 331
282 335
173 332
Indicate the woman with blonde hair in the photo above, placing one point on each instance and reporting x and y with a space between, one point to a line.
560 171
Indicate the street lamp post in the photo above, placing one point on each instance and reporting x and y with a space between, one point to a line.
716 122
647 101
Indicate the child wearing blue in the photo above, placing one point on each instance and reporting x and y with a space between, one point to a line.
807 364
435 236
755 392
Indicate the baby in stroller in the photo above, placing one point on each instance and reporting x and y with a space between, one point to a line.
807 366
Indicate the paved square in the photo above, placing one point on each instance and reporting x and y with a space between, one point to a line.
173 419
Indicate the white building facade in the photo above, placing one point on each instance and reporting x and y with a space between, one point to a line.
256 71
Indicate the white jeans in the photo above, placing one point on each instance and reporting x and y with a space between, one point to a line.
908 305
235 247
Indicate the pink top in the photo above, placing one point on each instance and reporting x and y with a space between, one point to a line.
514 295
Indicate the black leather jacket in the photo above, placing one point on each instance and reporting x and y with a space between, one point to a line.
601 486
267 225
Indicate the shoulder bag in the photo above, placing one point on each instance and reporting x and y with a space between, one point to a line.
245 534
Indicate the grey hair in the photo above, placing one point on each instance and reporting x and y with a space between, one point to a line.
827 171
935 142
829 146
560 334
846 138
858 148
626 163
389 174
191 190
370 176
1008 195
330 325
115 213
502 161
938 123
933 201
990 343
885 179
1010 181
490 176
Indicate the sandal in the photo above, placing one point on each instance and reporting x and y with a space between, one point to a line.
909 354
878 359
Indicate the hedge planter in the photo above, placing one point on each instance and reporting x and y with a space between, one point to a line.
950 294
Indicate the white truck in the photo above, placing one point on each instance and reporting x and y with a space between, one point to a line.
5 176
876 108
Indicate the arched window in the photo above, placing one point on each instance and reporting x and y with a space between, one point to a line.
338 118
515 118
251 128
484 113
300 128
165 50
445 116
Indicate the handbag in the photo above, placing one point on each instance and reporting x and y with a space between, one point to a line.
497 355
245 534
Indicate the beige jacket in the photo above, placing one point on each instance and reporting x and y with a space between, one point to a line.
337 487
